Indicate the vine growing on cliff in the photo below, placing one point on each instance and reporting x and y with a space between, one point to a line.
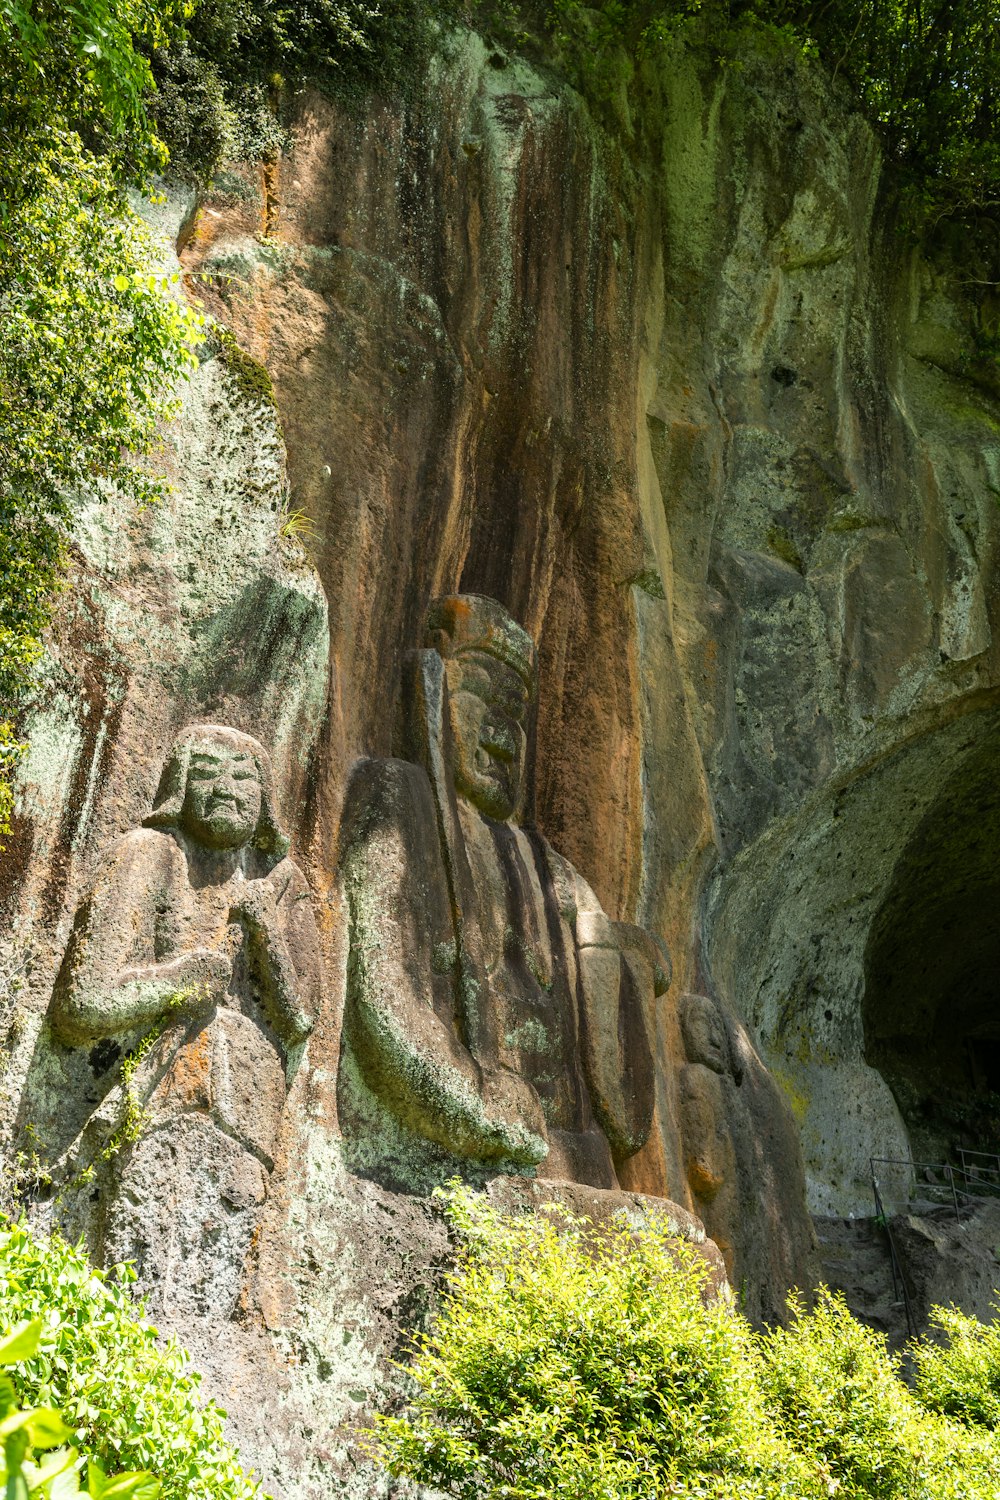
93 341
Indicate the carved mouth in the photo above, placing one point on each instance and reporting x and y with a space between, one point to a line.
220 800
490 762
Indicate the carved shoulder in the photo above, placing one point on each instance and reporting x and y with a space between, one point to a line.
572 891
287 882
142 861
385 798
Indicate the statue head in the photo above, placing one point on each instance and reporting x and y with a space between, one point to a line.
706 1039
217 787
490 667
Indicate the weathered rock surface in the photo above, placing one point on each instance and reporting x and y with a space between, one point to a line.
950 1259
675 395
855 1260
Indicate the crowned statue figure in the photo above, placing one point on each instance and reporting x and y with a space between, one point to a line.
494 1012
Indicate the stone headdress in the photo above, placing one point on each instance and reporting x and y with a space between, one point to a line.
458 623
269 837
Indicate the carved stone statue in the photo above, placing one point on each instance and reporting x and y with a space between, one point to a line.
493 1009
195 957
706 1085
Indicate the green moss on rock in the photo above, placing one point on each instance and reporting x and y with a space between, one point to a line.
781 543
248 375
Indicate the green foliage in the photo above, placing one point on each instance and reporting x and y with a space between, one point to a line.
960 1375
223 90
77 60
131 1401
26 1434
586 1364
829 1381
573 1361
93 342
928 75
835 1392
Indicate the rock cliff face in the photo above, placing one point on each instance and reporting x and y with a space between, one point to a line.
660 378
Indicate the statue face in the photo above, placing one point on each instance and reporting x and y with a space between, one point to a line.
222 798
488 702
704 1034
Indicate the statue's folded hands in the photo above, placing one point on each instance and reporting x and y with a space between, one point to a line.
269 910
196 951
140 994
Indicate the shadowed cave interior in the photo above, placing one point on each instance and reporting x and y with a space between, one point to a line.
932 1008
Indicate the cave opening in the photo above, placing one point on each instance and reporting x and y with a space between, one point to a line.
931 1008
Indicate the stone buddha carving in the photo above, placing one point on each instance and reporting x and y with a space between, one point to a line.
196 952
494 1012
706 1083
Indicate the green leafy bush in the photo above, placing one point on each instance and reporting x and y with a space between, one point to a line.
25 1435
132 1401
223 88
834 1389
836 1392
960 1375
92 342
575 1362
586 1364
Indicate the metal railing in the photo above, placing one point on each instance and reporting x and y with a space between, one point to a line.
975 1176
900 1290
981 1169
961 1184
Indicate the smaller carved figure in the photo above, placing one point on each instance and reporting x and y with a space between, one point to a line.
196 958
706 1085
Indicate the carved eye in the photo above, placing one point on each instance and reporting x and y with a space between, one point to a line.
476 680
509 697
513 700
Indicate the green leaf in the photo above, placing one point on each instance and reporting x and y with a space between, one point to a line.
21 1342
42 1428
131 1486
46 1429
58 1475
65 1486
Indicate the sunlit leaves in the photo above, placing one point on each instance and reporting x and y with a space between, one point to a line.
571 1362
25 1434
92 344
133 1404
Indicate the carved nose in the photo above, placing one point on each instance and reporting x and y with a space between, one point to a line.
499 738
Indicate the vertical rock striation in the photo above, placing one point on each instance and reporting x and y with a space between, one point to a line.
659 377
